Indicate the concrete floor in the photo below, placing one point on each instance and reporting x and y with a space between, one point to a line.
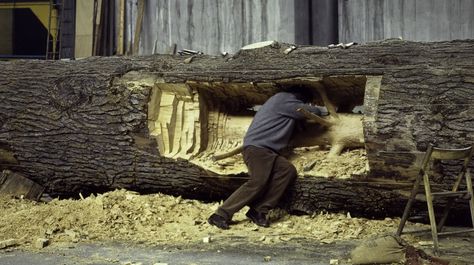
121 253
459 250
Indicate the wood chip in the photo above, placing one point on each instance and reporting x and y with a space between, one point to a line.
290 49
425 243
41 243
7 243
261 44
189 60
327 241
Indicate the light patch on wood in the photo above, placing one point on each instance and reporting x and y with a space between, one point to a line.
191 126
300 80
469 79
371 97
7 157
136 80
259 45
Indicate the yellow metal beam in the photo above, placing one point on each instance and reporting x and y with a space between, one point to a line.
13 4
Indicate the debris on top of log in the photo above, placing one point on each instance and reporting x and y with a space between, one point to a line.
271 43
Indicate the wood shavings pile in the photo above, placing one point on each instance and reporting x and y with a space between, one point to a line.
314 162
309 162
161 219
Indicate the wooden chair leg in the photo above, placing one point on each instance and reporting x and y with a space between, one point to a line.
470 190
429 201
450 202
409 204
444 217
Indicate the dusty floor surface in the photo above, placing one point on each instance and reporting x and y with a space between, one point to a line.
122 227
232 251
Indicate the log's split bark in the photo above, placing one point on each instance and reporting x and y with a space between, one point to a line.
153 124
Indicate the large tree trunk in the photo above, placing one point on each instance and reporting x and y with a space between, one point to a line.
149 123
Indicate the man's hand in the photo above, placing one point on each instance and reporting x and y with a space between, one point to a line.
311 117
323 110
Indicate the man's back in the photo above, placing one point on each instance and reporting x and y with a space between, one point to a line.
275 121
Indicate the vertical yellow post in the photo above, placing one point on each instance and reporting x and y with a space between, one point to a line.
120 48
138 26
84 28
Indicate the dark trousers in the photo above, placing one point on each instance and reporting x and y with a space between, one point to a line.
270 175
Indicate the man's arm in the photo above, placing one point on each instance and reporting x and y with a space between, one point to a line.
290 107
313 118
318 110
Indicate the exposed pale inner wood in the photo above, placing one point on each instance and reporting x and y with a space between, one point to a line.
196 120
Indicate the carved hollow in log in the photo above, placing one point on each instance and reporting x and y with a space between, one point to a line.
202 121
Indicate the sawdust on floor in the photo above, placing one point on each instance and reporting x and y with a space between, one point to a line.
162 219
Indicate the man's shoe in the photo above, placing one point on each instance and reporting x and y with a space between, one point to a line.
219 221
258 218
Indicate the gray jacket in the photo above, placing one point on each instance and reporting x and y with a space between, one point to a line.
274 123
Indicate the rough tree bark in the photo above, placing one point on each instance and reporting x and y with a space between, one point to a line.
98 124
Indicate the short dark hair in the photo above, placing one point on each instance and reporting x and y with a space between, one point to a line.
303 92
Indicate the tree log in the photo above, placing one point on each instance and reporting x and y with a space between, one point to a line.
147 123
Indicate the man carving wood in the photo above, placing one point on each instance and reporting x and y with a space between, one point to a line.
270 172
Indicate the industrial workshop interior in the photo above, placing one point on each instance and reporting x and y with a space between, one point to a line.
195 132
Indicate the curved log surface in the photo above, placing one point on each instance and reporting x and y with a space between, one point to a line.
83 126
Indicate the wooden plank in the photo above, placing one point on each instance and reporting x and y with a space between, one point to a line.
121 29
97 24
84 29
138 26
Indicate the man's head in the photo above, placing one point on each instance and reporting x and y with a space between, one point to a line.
302 92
